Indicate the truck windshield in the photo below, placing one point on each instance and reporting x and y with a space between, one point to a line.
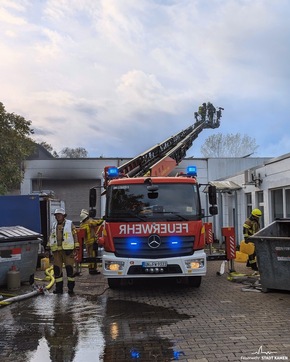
169 202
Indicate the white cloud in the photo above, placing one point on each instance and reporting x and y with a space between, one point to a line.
6 17
120 71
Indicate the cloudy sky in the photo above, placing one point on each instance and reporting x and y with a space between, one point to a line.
118 76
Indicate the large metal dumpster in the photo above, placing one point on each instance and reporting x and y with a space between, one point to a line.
18 247
272 245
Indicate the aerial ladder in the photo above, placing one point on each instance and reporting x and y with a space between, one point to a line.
162 158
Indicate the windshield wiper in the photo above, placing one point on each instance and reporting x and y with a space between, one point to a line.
176 214
123 214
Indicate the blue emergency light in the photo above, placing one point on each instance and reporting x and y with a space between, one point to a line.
113 172
133 243
174 242
191 171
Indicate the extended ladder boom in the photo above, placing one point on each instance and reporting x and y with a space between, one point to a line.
161 159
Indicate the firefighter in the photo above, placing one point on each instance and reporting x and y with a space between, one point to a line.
251 227
63 242
89 225
202 111
196 117
211 111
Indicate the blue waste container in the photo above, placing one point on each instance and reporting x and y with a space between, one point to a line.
272 245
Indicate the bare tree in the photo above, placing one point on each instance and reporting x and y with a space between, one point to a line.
230 145
78 152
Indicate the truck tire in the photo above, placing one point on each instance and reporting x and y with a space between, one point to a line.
194 281
114 283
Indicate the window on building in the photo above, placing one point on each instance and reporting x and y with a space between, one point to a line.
287 197
260 200
277 203
249 203
260 197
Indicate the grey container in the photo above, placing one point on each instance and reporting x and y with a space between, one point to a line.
272 245
18 247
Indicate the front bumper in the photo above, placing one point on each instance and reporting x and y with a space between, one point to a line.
115 267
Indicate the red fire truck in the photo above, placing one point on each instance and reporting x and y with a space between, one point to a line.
153 224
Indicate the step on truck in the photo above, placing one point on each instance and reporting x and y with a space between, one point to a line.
153 222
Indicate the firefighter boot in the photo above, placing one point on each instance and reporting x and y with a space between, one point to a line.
58 280
253 262
58 288
70 279
94 271
70 286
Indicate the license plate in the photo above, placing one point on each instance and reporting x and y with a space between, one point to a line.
154 264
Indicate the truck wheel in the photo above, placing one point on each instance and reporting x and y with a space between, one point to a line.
194 281
114 283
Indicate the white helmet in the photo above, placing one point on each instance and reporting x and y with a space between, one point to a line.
60 211
84 214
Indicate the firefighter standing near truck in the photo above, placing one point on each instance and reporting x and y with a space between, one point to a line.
91 239
252 226
63 243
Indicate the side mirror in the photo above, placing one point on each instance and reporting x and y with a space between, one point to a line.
93 213
93 198
213 210
212 195
212 199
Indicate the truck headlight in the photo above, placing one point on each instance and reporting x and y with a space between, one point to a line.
114 265
194 263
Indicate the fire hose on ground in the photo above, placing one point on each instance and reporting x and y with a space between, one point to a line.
37 289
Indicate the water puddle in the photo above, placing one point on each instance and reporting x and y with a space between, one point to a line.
133 332
52 328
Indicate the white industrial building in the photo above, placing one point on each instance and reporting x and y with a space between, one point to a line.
258 182
242 183
266 187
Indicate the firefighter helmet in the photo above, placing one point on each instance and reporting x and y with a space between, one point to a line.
84 214
60 211
257 213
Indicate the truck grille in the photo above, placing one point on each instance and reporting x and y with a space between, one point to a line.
132 247
170 269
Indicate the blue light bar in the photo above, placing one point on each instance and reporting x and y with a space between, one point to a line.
191 171
113 172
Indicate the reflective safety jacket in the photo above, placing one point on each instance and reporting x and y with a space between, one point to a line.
89 225
250 227
69 237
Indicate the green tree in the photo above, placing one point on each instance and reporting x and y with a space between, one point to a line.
229 145
78 152
15 146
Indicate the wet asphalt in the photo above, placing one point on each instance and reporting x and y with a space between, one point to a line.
148 321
